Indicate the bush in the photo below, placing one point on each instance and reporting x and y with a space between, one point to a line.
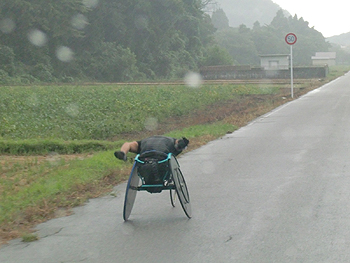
217 56
26 79
113 63
7 58
4 77
43 147
43 72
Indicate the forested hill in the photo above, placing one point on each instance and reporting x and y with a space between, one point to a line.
103 40
249 11
128 40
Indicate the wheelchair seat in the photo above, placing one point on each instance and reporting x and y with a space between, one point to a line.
153 169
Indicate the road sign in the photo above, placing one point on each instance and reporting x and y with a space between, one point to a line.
291 39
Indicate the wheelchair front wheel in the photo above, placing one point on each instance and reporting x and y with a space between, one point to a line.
173 197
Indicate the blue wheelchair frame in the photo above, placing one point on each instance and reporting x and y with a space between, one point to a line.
175 183
145 187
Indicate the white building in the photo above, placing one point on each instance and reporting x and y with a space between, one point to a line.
274 61
324 58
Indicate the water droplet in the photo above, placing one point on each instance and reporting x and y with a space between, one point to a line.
33 100
141 22
79 21
90 3
208 167
64 54
151 124
37 37
72 110
7 25
53 158
193 79
127 229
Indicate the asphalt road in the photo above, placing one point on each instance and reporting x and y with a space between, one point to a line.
277 190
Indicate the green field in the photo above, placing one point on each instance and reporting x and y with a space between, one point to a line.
101 112
76 119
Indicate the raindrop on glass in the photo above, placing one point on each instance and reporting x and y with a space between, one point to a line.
33 100
208 167
127 229
37 37
151 124
79 21
141 22
65 54
7 25
53 158
193 79
72 110
90 3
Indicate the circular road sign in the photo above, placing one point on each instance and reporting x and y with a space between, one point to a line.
291 39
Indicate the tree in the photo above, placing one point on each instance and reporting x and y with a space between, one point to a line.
280 22
120 40
266 41
7 58
245 45
112 63
40 28
239 45
220 20
217 55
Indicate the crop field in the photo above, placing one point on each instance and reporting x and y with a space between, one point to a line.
101 112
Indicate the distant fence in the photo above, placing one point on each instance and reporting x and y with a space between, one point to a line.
247 72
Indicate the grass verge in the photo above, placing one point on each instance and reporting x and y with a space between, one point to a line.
32 192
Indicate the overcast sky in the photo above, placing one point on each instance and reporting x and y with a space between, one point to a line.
328 17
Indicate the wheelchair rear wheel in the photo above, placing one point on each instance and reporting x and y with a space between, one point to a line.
131 191
181 187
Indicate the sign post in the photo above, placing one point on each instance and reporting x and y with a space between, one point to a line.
291 39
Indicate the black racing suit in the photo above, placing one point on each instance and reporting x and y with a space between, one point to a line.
158 143
151 170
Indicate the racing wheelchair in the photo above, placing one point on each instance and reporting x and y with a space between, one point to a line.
155 171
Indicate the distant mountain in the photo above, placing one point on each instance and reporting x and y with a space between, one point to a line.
342 40
249 11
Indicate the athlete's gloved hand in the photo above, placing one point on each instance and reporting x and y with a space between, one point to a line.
120 155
